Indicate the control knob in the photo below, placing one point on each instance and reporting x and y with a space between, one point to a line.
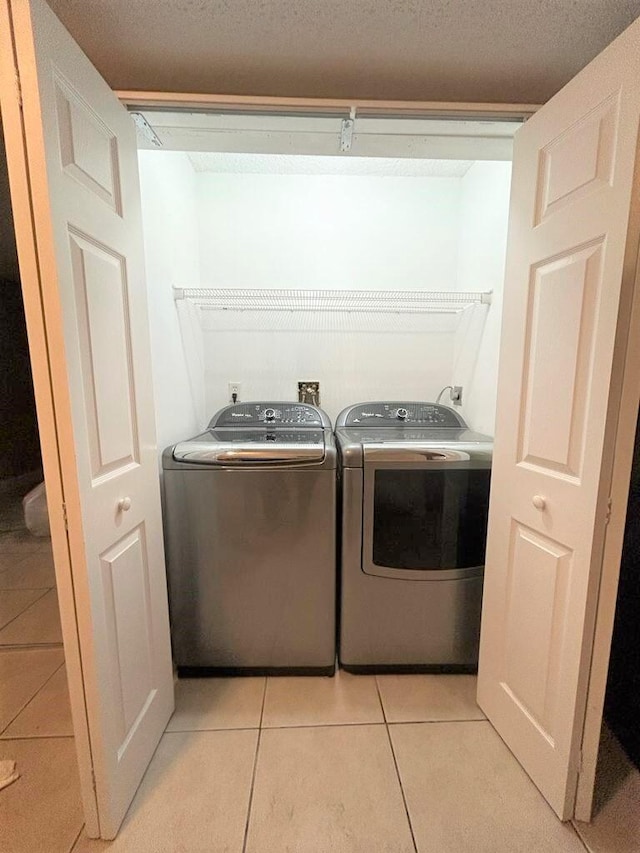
269 414
402 414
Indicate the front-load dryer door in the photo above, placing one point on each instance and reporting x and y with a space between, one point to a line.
424 512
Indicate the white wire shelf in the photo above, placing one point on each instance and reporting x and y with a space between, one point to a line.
356 301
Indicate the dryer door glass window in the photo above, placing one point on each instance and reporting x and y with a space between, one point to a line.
430 520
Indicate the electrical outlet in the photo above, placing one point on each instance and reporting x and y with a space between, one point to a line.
309 392
456 395
234 389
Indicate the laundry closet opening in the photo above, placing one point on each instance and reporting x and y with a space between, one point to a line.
330 260
366 255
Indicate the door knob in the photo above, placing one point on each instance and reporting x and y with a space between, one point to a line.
124 504
539 502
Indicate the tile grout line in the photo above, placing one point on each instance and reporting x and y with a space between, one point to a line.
77 838
276 728
264 699
28 702
323 725
395 764
436 722
10 738
580 838
219 729
296 726
255 767
28 607
20 559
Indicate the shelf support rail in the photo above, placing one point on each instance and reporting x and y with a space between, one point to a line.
357 301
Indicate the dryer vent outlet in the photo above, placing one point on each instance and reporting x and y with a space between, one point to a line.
309 392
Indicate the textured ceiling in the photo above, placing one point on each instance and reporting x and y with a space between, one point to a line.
452 50
285 164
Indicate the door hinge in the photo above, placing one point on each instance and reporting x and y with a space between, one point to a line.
346 130
607 517
18 89
145 130
64 515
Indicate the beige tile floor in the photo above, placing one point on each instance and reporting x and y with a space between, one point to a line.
465 791
48 714
615 827
13 602
29 614
40 812
353 764
193 798
277 764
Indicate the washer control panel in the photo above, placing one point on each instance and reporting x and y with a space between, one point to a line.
399 414
268 414
259 436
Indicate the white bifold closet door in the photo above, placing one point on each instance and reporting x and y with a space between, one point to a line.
81 159
572 253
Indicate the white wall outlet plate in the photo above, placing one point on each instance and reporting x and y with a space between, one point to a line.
234 388
456 395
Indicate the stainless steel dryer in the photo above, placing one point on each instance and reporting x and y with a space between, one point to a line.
250 518
415 496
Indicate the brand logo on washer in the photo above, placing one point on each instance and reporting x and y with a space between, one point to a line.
240 415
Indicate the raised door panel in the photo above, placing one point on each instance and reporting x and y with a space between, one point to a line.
538 581
125 578
88 148
101 293
560 325
581 159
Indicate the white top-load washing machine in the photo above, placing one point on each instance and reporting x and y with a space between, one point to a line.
415 496
250 529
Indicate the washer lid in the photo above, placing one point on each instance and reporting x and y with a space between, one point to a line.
253 447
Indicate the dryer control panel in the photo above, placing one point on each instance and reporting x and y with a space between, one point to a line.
269 414
401 413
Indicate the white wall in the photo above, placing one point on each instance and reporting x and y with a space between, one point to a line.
484 214
328 231
170 217
314 231
355 357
